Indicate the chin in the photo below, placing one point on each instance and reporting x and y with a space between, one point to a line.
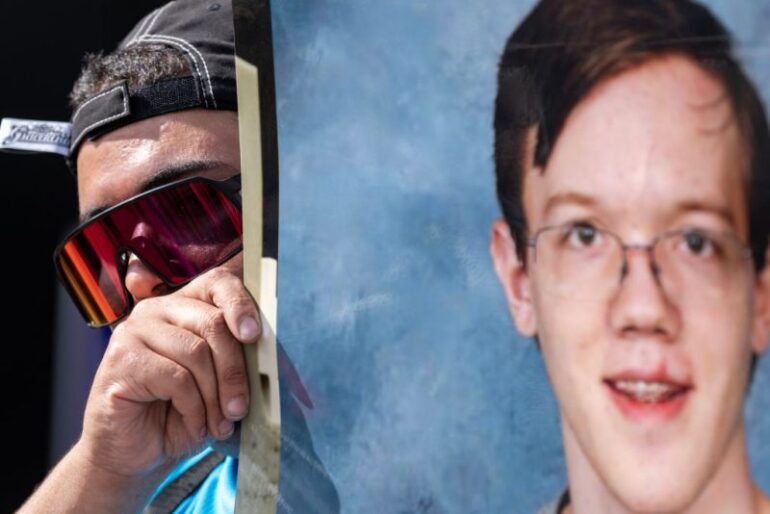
648 502
658 489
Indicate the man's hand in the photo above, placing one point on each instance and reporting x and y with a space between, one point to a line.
173 375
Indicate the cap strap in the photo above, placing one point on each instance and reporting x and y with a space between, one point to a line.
119 106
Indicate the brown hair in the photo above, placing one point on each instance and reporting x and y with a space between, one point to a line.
563 49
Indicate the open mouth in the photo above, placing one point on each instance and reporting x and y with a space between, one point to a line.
647 392
639 398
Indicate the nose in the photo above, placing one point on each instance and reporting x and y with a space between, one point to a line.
141 235
140 281
641 305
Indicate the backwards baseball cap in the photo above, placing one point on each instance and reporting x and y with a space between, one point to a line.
200 30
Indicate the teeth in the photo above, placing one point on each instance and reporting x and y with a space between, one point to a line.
647 392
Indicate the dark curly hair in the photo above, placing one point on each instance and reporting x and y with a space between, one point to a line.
138 65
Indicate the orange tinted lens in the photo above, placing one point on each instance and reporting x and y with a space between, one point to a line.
87 263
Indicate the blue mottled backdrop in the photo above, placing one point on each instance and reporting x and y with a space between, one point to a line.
425 400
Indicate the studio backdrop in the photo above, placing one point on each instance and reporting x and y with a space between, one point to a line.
405 386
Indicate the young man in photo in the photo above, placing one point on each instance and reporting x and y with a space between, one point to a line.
632 159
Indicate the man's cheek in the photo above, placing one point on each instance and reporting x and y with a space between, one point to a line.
721 360
572 337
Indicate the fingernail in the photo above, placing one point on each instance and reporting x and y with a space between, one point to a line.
236 408
225 428
249 328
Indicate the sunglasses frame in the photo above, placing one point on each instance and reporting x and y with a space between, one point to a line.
230 187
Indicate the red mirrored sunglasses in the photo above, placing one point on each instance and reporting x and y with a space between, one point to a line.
178 230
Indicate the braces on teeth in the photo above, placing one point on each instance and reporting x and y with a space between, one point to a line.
646 391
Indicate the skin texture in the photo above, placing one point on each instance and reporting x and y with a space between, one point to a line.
653 149
173 376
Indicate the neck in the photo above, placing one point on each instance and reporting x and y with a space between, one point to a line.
729 489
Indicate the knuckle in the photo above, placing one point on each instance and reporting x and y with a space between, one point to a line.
146 308
180 378
122 342
142 309
198 350
120 332
214 324
128 357
120 350
225 283
114 392
240 302
234 375
218 273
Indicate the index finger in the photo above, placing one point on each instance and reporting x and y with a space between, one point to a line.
226 291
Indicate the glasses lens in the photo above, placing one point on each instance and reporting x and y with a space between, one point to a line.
179 231
579 261
87 264
701 261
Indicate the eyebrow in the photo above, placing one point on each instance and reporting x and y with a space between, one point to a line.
686 206
698 205
176 171
568 197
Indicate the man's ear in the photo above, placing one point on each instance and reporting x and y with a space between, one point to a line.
513 277
761 330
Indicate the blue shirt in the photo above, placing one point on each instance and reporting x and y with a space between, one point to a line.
215 495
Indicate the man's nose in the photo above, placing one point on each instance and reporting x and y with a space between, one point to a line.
641 304
141 282
142 234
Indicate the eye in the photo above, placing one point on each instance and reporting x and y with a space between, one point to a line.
583 235
699 244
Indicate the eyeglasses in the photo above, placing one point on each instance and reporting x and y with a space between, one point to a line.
587 262
178 230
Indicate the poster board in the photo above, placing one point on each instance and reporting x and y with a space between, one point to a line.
415 391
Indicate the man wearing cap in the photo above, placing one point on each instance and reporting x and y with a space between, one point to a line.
155 149
632 157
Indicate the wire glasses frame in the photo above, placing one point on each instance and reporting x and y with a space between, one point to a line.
584 259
